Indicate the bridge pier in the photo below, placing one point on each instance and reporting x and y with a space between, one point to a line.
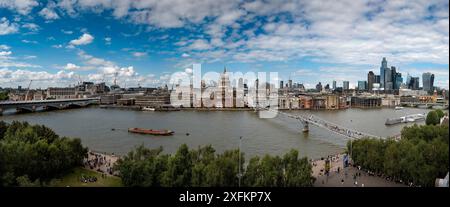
305 127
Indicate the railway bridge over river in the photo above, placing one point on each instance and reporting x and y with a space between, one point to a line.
32 106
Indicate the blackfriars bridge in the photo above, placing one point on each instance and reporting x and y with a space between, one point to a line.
32 106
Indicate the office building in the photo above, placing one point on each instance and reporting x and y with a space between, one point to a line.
362 85
428 81
346 85
370 80
383 68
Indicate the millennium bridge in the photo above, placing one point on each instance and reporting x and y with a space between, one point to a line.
32 106
323 124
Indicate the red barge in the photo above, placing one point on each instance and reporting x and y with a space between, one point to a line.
151 131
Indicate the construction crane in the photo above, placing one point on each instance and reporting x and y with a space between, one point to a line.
28 90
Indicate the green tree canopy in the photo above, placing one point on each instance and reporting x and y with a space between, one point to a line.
432 118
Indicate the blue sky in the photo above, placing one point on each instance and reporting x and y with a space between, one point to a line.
57 43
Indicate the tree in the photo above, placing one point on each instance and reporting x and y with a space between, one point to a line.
432 118
439 113
203 168
4 96
31 152
419 157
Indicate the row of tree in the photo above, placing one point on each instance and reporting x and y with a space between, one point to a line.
202 167
4 95
34 154
421 156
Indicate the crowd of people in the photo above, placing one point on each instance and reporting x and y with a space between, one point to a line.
99 162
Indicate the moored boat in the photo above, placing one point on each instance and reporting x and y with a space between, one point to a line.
148 109
150 131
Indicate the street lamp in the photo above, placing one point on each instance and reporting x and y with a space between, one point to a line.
239 175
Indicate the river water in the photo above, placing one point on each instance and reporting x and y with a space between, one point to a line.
221 129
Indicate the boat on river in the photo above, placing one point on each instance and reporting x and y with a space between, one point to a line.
148 109
406 119
151 131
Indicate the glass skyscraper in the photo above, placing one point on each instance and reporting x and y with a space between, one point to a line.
428 81
382 71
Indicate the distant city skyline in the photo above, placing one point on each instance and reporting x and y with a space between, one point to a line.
59 43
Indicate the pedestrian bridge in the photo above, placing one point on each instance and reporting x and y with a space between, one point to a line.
32 106
316 121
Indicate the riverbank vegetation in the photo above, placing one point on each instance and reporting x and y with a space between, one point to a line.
4 95
421 156
32 155
203 167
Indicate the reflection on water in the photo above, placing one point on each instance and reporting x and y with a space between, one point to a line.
221 129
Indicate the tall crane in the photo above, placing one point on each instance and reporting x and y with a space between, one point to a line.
28 90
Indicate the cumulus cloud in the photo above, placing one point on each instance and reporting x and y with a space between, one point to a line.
7 28
71 66
5 53
57 46
82 40
8 61
199 44
48 12
21 6
4 47
31 26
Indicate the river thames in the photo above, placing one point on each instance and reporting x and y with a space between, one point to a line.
221 129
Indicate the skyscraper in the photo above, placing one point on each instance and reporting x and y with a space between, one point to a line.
388 85
334 85
346 85
370 80
382 71
281 84
290 84
413 83
428 81
362 85
398 80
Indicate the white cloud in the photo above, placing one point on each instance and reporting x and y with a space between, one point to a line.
28 57
139 54
199 44
7 28
185 55
71 66
30 41
21 6
67 32
82 40
31 26
57 46
5 53
108 40
4 47
48 12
